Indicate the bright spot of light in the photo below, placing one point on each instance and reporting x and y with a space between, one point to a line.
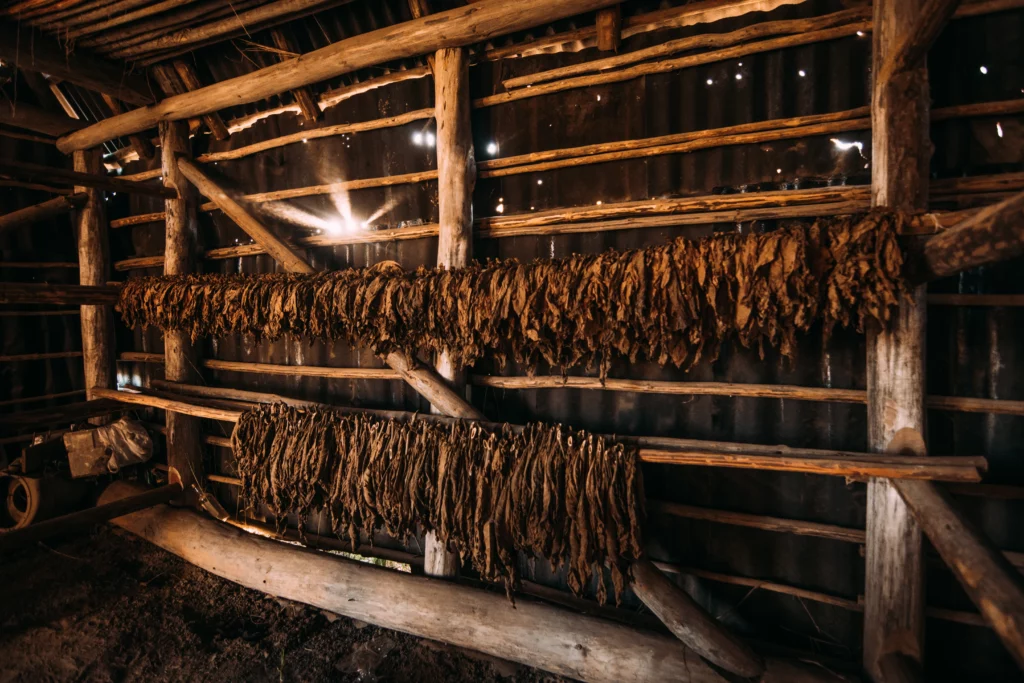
842 145
710 81
778 170
984 69
999 129
417 138
540 182
492 148
304 140
802 73
599 202
598 98
739 77
500 208
431 140
860 34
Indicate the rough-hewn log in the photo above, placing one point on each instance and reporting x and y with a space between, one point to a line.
453 28
34 51
96 181
69 295
184 440
42 212
54 355
691 623
303 96
901 150
914 44
995 233
538 635
274 245
37 120
140 143
273 368
84 520
992 583
190 80
94 271
58 416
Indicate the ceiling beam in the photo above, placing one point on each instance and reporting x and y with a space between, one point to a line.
34 51
454 28
36 119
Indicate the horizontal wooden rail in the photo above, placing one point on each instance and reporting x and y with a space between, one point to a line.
976 299
28 171
67 295
38 265
42 212
29 314
689 452
273 369
44 397
60 416
54 355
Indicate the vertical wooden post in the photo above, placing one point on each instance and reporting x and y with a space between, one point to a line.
456 171
184 441
94 269
901 150
609 28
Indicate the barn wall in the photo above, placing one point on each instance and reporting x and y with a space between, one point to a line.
971 351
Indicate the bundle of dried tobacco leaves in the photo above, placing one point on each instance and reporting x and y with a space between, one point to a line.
548 491
674 303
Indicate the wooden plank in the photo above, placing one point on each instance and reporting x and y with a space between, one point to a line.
550 638
59 416
29 49
609 28
763 522
691 623
901 151
274 246
303 96
55 355
184 440
993 585
94 181
94 271
42 212
453 28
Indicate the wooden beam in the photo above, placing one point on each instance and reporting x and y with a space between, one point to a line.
995 233
184 440
85 520
140 143
303 96
912 49
691 623
538 635
94 271
28 49
453 28
191 81
70 295
992 583
42 212
609 28
901 150
170 84
274 245
58 416
37 120
456 169
93 181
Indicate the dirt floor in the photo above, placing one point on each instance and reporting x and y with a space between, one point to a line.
113 608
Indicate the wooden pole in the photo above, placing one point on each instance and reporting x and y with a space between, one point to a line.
303 96
609 28
94 271
42 212
913 46
691 623
68 295
191 81
549 638
95 180
456 169
992 583
36 119
84 520
273 245
184 440
453 28
901 150
140 143
995 233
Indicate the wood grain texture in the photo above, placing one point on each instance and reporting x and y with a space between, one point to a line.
453 28
691 623
92 181
581 647
37 119
94 271
42 212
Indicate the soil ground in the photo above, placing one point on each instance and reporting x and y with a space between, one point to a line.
110 607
